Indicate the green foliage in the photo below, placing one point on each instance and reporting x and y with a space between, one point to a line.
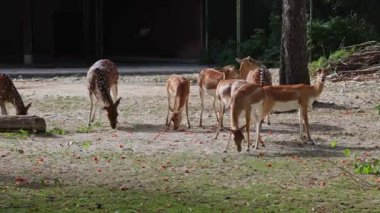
332 60
261 45
378 108
328 36
22 134
57 131
347 152
88 129
86 144
367 166
333 143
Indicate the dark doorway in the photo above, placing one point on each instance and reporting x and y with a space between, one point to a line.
68 29
151 28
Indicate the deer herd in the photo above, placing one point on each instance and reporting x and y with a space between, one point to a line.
248 89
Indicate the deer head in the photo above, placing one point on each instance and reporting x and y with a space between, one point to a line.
321 75
176 118
238 136
230 72
112 113
23 110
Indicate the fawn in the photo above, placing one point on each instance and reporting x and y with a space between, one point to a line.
9 93
179 88
102 79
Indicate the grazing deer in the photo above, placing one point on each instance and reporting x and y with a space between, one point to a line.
278 98
102 78
179 88
224 91
9 93
260 76
208 80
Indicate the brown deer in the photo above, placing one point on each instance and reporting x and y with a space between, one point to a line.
179 88
9 93
279 98
102 80
246 65
224 91
208 80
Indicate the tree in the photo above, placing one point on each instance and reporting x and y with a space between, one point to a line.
294 56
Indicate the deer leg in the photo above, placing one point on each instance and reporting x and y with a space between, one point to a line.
167 115
215 111
114 92
307 128
301 123
228 143
248 122
268 121
3 109
187 111
220 120
90 118
202 96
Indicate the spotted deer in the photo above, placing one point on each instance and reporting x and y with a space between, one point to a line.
9 93
102 80
208 80
177 87
262 77
262 100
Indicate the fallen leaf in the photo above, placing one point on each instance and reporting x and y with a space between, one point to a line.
165 179
322 184
123 187
269 165
121 145
378 180
21 181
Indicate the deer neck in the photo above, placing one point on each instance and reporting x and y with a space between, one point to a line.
16 100
318 87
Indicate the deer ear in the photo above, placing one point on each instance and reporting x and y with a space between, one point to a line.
117 102
242 127
28 106
238 60
319 71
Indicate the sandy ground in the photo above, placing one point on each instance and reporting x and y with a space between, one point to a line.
346 115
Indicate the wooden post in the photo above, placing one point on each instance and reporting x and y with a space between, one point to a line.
22 122
28 57
99 28
86 28
238 27
205 26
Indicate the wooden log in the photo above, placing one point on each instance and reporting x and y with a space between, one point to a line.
362 71
22 122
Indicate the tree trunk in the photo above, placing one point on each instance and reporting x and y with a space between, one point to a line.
294 57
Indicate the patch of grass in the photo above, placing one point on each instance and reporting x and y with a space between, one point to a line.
186 182
88 129
22 134
56 131
378 108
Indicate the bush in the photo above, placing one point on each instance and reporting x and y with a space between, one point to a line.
326 37
261 45
333 59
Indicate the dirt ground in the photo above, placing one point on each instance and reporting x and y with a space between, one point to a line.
346 115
